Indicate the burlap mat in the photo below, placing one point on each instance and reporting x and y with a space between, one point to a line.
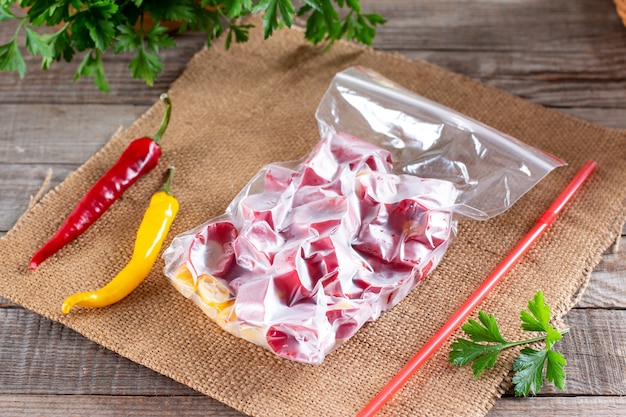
236 111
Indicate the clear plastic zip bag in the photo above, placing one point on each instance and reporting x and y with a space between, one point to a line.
311 250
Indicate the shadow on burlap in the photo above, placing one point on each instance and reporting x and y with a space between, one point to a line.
238 110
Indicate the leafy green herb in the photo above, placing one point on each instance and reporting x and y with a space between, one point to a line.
11 58
92 27
37 45
486 343
60 47
92 66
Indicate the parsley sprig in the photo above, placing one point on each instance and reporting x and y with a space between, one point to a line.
486 343
93 27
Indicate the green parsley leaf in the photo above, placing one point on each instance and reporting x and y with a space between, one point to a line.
236 8
92 66
484 355
170 10
555 370
240 32
486 360
485 331
529 367
128 39
6 14
37 45
157 37
96 18
354 5
46 12
101 33
11 58
486 342
465 351
277 13
39 11
360 27
539 316
60 46
146 66
100 25
552 336
311 5
375 19
324 23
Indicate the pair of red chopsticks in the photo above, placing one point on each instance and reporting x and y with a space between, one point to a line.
481 292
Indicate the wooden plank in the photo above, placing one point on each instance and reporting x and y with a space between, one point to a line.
448 25
596 365
552 79
67 134
55 85
31 140
4 303
607 286
596 361
38 356
550 60
20 182
549 75
559 407
113 406
41 356
461 39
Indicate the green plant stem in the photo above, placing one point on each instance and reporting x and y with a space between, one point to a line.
19 27
528 341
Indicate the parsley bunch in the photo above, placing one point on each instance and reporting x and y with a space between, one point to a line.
93 27
487 342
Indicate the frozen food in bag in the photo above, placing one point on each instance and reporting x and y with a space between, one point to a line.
311 250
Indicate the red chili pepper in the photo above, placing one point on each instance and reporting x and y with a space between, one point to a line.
140 157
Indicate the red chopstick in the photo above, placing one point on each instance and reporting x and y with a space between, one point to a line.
479 295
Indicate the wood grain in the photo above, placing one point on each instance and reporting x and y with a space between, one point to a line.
20 182
565 55
559 54
175 406
607 288
559 407
113 406
29 147
27 137
65 362
80 367
55 86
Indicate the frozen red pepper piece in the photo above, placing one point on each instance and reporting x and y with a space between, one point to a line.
213 248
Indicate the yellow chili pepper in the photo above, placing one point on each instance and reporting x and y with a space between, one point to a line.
150 236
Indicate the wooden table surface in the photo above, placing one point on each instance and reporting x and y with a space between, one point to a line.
569 55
